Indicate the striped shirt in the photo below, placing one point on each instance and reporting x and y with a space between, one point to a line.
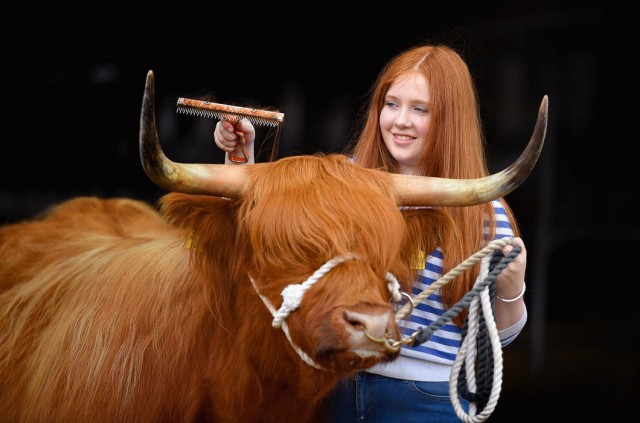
443 345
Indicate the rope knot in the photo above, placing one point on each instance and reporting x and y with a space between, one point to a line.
292 297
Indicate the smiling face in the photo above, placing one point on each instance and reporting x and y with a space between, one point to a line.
404 120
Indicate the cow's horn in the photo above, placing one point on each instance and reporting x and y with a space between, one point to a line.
428 191
213 179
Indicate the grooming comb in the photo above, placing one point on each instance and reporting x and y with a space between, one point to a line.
233 114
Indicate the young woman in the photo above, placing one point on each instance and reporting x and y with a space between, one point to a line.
423 119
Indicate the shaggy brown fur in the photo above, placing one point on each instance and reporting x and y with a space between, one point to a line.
110 311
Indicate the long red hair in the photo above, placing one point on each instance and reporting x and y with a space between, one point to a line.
454 148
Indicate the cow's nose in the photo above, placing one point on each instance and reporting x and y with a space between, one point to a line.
378 323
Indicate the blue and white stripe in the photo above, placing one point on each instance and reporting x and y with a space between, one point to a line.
444 344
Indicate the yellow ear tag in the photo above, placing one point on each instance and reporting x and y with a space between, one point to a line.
191 241
418 260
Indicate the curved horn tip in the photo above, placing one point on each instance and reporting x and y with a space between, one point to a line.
150 81
543 114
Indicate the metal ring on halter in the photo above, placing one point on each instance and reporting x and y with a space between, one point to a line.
409 300
389 343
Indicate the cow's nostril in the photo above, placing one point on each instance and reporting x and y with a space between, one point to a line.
352 321
376 324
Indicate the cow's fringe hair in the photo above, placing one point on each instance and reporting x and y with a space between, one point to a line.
329 223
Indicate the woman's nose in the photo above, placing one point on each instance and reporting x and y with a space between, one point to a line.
402 119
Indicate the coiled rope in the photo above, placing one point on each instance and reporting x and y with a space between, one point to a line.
480 380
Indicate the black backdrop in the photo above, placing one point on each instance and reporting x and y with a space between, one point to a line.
73 93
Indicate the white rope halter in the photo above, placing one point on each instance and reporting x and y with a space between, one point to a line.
292 298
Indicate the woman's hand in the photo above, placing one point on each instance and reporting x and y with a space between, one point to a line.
227 140
510 282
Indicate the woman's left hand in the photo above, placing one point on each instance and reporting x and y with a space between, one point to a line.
510 282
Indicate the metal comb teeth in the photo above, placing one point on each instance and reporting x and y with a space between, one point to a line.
228 112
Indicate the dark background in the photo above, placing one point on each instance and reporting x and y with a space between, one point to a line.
73 94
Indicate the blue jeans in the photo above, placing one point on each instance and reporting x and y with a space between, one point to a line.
371 398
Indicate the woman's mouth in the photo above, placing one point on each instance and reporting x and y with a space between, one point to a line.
403 139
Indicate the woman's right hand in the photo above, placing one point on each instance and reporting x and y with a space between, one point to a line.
227 140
